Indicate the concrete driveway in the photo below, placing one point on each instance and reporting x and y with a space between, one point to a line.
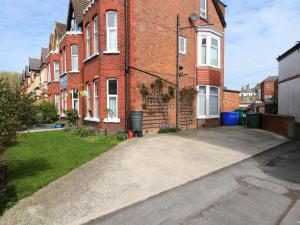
137 170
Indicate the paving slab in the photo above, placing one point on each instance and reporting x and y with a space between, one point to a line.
137 170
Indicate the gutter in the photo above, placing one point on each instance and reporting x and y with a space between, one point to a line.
127 67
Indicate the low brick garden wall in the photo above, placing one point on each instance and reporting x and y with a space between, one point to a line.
283 125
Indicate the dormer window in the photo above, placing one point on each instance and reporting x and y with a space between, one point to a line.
203 9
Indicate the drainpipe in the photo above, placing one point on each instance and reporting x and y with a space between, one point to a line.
177 71
127 67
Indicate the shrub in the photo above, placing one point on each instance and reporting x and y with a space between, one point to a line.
122 136
109 139
83 131
48 112
164 130
72 116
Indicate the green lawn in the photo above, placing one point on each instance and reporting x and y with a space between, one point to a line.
39 158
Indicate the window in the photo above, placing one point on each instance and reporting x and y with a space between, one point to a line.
74 55
56 71
203 51
203 8
214 52
75 100
64 101
49 73
65 60
96 43
111 32
208 102
57 103
112 97
89 101
209 50
182 45
88 41
96 100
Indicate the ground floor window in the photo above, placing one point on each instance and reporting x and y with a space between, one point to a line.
112 97
57 103
75 100
89 101
96 99
208 102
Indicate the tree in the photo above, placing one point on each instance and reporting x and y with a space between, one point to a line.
16 111
13 78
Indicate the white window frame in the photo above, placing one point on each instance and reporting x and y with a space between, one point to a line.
96 38
65 60
203 11
108 29
88 41
75 58
56 70
208 36
96 99
75 99
207 95
57 103
114 119
89 100
184 45
49 73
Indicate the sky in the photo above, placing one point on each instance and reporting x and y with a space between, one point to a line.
257 32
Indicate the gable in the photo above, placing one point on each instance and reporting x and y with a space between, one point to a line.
217 4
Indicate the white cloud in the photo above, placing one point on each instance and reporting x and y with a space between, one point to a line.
258 31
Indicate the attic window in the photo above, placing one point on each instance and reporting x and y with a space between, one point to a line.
203 9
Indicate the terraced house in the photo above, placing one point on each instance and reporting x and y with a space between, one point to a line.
109 48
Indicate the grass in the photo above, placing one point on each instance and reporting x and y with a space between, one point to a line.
40 158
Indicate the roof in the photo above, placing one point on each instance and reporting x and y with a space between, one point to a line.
61 29
219 11
78 6
290 51
44 54
271 78
34 64
247 89
27 74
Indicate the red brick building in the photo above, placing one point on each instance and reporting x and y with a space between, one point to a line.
231 100
109 48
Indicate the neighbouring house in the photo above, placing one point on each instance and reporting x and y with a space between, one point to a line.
44 74
289 83
231 100
54 65
269 95
248 96
34 69
108 49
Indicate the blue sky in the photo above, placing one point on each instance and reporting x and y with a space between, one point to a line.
257 32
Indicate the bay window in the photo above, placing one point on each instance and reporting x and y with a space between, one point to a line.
74 57
111 32
203 9
96 42
56 70
209 46
88 41
89 101
65 60
49 73
208 102
96 100
112 98
75 100
57 103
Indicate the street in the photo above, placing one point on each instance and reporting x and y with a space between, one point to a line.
263 190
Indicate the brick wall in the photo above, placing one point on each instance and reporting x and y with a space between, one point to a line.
231 101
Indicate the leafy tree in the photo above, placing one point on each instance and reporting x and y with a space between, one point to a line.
47 111
13 78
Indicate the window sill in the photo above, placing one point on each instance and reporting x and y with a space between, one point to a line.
65 73
74 71
111 52
206 65
92 119
91 57
112 120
